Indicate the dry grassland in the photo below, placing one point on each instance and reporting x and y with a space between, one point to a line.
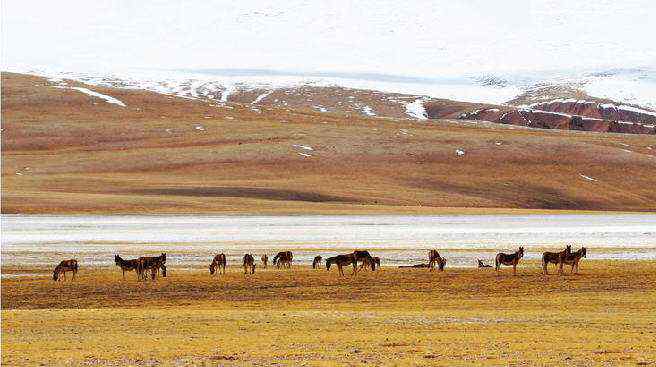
66 152
604 316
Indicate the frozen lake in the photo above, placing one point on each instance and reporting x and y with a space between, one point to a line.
191 241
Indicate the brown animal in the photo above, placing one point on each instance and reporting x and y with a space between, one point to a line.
126 265
481 264
63 267
373 263
364 257
152 263
435 258
509 259
265 260
341 261
555 258
219 261
249 264
316 263
283 259
574 258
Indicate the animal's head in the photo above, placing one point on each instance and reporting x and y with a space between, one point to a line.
568 249
520 253
328 263
442 264
55 274
212 269
163 256
117 259
584 251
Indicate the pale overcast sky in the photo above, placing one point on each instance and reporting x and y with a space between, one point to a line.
395 37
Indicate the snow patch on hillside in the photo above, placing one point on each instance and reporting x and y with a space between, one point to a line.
106 98
367 110
587 177
416 109
261 97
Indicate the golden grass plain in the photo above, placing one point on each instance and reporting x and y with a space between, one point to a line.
409 317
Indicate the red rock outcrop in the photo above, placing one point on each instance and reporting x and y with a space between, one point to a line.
557 114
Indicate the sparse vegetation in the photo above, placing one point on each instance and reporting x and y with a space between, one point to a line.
66 152
605 315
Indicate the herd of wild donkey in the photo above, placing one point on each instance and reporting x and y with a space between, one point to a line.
155 264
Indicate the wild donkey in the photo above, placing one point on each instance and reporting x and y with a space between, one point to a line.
283 259
341 261
373 263
435 258
126 265
249 264
316 263
574 258
555 258
152 263
482 265
366 259
219 261
509 259
63 267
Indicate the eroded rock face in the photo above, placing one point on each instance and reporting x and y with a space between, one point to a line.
604 111
557 114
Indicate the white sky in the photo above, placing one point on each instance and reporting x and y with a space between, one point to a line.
393 37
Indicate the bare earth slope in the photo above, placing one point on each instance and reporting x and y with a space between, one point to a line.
65 151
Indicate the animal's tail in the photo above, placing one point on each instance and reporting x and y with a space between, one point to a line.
496 262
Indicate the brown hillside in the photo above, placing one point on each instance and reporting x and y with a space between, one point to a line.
66 152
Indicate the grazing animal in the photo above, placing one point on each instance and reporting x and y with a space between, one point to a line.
63 267
508 259
152 263
316 263
376 262
481 264
435 258
373 263
219 261
249 264
341 261
574 258
365 257
126 265
555 258
283 259
265 260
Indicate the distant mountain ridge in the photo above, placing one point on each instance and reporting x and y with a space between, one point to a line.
549 106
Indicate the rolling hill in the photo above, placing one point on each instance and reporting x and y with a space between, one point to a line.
74 148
